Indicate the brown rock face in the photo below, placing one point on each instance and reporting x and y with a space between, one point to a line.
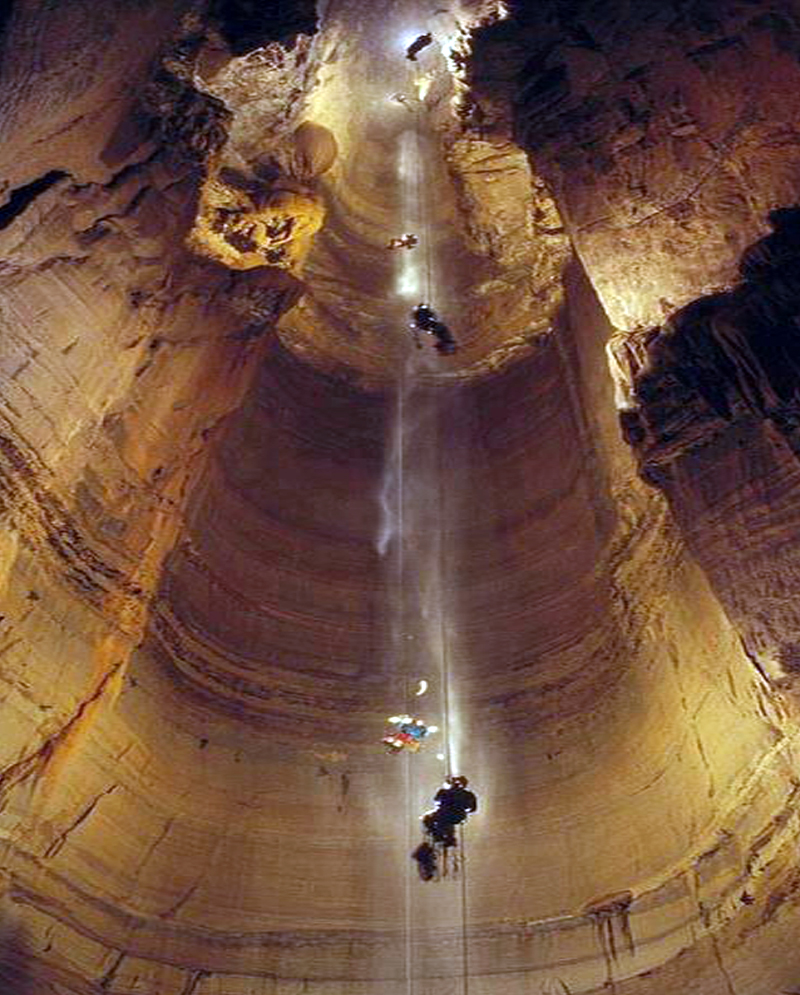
244 515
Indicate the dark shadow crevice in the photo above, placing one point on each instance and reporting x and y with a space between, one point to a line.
24 196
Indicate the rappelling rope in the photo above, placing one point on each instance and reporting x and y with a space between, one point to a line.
410 843
444 662
402 660
423 206
464 943
425 227
400 444
426 221
423 202
448 752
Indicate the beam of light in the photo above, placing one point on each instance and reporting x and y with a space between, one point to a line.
454 739
408 279
405 169
408 37
408 282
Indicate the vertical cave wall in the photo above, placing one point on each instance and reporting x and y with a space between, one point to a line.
667 146
714 425
278 568
662 139
621 733
121 355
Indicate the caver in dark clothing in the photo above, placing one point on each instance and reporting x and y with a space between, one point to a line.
425 856
426 320
417 45
453 804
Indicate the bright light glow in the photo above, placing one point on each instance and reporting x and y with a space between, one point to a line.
433 729
423 687
408 272
423 84
440 756
408 38
409 279
403 101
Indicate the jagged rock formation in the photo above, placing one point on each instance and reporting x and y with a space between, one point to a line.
267 216
719 377
195 400
243 223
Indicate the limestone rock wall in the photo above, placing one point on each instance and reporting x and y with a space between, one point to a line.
677 737
664 175
70 74
713 421
278 575
111 333
662 137
104 435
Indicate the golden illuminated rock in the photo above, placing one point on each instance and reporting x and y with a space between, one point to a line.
244 223
313 151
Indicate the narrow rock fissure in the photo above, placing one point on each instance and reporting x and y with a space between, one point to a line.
22 197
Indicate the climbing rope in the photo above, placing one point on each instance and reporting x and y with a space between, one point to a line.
422 211
399 443
423 202
444 661
410 843
464 942
445 679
